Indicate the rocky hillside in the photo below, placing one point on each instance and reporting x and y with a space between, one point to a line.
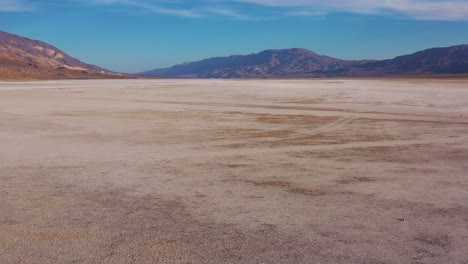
288 62
450 60
304 63
23 58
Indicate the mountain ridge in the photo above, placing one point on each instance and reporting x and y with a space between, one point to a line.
299 62
25 58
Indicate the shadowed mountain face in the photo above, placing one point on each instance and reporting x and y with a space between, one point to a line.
289 62
451 60
304 63
23 58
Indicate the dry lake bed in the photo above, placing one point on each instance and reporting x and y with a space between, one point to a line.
214 171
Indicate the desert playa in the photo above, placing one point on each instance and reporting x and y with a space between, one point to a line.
234 171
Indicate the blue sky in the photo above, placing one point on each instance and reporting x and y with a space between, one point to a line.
132 36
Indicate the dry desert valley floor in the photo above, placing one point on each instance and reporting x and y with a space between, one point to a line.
234 171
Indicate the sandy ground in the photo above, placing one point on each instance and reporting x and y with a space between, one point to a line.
211 171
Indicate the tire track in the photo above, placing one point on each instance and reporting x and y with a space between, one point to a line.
334 125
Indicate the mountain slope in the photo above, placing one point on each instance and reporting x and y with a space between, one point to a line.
23 58
450 60
288 62
304 63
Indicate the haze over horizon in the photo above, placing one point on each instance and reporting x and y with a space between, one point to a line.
148 34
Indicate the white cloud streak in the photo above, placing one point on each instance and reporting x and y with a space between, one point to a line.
223 11
418 9
249 9
306 13
150 6
14 6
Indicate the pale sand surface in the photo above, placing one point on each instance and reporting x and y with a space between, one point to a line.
212 171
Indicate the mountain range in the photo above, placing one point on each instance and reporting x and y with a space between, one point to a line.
297 63
23 58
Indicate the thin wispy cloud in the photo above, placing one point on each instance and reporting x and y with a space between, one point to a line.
15 6
418 9
223 11
306 13
256 9
151 6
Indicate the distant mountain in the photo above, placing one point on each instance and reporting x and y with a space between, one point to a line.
304 63
23 58
450 60
288 62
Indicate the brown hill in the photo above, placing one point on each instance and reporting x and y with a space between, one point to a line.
435 61
269 63
23 58
304 63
